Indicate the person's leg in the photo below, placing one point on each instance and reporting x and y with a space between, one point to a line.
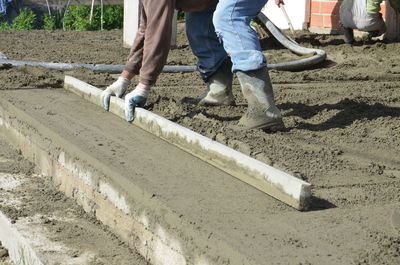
232 23
347 21
213 62
374 25
11 13
219 88
348 34
204 42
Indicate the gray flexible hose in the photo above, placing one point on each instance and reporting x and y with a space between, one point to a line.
318 56
95 67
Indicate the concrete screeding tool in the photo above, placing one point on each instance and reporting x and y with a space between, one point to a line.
282 7
278 184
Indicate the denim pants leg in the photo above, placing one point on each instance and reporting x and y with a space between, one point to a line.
232 24
204 42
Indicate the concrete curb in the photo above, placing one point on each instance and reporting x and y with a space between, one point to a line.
19 249
276 183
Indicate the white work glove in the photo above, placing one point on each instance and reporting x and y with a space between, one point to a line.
117 88
135 98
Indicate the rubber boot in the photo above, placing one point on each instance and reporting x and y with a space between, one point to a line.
372 34
219 89
348 35
262 112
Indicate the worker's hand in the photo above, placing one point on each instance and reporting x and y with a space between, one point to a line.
117 88
136 98
279 2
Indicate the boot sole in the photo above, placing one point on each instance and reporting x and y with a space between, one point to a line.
268 126
193 101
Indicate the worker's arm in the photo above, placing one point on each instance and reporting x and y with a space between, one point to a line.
134 60
152 44
279 2
150 51
148 54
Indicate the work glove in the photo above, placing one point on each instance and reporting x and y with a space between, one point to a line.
117 88
136 98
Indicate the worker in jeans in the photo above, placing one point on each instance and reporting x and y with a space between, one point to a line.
363 15
10 9
220 35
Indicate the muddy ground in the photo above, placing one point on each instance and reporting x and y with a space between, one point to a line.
342 119
63 232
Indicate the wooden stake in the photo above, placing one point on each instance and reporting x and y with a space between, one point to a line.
91 12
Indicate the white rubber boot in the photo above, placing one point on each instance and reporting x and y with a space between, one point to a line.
262 112
219 89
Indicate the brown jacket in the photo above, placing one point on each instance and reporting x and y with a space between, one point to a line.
151 46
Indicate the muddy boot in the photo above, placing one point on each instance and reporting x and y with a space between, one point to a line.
348 35
262 112
373 34
219 89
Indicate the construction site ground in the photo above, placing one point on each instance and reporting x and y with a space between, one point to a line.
343 127
54 225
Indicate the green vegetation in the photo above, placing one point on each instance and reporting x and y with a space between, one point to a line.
113 17
50 22
77 18
181 16
25 21
74 18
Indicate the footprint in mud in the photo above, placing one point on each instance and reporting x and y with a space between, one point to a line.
396 219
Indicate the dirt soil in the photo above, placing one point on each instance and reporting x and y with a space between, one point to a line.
79 237
4 257
342 122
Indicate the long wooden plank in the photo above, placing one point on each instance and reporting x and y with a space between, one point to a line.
278 184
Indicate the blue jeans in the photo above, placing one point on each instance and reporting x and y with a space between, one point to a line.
222 31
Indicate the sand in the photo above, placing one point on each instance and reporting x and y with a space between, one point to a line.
343 126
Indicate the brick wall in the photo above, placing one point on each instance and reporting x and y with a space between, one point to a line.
324 14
